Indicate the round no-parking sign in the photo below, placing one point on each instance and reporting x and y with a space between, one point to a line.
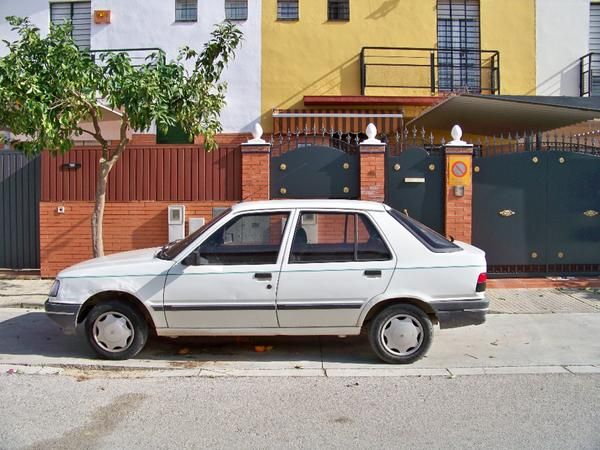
459 169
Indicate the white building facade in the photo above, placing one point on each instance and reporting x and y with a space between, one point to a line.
566 31
165 24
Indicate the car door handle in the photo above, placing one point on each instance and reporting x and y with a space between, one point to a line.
372 273
263 276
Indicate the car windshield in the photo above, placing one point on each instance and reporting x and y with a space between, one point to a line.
172 249
431 239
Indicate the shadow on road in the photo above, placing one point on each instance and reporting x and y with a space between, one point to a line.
33 333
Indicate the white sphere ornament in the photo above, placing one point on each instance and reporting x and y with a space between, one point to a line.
257 133
371 132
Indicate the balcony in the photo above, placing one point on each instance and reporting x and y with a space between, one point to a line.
138 56
589 78
407 71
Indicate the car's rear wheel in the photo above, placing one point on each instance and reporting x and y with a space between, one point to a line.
115 330
401 334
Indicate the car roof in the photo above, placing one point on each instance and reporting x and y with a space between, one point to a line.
309 204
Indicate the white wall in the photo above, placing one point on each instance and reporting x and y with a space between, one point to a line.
36 10
151 23
562 37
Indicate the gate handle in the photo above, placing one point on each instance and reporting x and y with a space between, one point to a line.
506 213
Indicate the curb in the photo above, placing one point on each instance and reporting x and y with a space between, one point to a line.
82 374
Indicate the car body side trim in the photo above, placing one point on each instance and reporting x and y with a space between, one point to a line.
304 331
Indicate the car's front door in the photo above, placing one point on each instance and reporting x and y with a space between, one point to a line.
337 262
230 279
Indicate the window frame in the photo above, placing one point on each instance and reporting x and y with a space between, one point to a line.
367 217
289 19
423 233
186 20
337 19
71 3
237 19
231 218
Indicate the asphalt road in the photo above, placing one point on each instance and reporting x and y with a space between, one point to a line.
515 411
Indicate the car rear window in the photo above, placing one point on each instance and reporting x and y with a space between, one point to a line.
431 239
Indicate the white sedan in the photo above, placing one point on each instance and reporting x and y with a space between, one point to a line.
281 267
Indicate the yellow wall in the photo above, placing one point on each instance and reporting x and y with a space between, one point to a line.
313 56
509 27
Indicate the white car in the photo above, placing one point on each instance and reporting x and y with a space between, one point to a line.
281 267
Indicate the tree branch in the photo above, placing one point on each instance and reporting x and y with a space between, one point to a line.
123 140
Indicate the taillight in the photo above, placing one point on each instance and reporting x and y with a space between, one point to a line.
481 282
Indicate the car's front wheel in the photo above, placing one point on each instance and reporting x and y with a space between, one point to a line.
401 334
115 330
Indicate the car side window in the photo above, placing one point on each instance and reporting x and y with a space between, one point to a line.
245 239
336 237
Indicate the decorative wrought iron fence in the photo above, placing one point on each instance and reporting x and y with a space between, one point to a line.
344 141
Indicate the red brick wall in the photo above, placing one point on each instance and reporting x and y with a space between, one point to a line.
65 239
372 173
459 214
255 172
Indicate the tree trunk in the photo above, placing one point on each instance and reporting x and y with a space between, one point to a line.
98 214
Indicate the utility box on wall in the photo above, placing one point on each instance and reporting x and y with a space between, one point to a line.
176 222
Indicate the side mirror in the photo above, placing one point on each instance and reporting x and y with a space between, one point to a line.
193 259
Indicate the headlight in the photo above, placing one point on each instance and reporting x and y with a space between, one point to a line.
54 289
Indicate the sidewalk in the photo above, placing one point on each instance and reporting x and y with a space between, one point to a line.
33 293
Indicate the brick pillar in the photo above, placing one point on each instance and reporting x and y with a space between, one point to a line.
256 163
459 190
372 172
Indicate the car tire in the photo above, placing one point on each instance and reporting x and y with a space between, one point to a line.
401 334
116 330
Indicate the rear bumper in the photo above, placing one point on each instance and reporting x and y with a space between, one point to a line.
64 314
461 313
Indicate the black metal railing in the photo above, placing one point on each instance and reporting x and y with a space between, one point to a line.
138 56
589 75
420 71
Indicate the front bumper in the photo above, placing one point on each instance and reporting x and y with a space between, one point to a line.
64 314
461 313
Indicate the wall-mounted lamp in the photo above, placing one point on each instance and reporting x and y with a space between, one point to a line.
71 166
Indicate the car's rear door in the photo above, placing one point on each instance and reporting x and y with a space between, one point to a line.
336 261
233 281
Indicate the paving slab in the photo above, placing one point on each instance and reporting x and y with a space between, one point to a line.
543 301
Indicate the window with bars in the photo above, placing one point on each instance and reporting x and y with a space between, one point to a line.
338 9
459 52
236 9
186 10
287 10
80 16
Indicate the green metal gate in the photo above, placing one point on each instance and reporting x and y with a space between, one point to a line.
19 211
538 212
315 166
415 184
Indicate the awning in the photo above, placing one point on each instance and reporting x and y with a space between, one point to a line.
493 115
346 121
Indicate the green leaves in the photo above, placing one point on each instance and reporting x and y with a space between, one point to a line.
48 87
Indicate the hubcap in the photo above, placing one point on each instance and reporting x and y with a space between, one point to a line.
402 335
113 331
